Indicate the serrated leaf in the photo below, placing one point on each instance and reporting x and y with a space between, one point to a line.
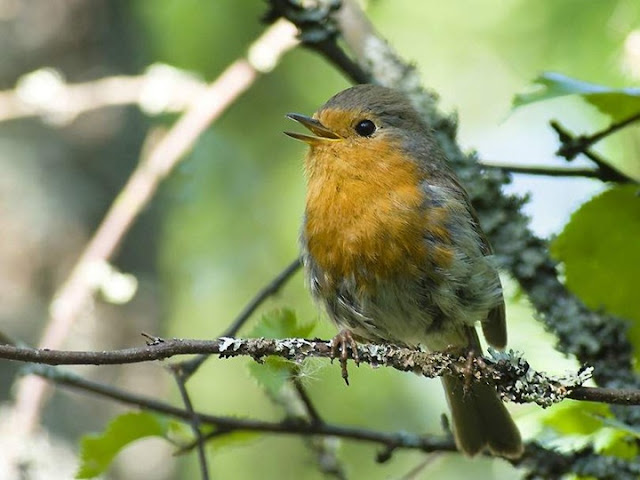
98 451
281 323
600 248
272 374
617 103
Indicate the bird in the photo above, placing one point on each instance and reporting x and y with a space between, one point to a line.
394 252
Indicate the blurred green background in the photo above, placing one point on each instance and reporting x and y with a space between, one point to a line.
227 219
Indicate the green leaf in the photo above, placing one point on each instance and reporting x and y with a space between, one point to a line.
600 248
614 439
577 418
281 323
621 426
98 451
580 424
179 433
618 103
232 439
621 445
274 372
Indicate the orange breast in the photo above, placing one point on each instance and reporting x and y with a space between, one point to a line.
364 215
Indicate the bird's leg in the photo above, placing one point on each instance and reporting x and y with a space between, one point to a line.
467 369
342 342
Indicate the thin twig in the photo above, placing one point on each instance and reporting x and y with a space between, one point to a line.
291 400
427 443
605 171
304 397
325 450
613 396
191 366
330 50
319 32
545 171
271 289
194 421
573 146
73 296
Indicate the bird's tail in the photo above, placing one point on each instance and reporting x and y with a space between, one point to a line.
480 419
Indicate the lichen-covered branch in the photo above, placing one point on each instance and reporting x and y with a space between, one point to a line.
513 377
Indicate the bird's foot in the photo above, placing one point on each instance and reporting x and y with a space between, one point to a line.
472 363
341 343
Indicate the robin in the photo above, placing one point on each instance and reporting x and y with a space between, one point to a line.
392 248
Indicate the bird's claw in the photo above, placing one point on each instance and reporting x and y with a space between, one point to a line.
342 342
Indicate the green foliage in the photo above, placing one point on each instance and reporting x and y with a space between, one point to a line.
230 439
274 372
582 423
617 444
577 418
281 323
98 451
612 422
600 248
617 103
622 442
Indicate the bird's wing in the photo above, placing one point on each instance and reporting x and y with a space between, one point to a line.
494 327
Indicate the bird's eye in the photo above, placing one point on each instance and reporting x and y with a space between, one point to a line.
365 128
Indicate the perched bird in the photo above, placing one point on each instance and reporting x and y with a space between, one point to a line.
392 248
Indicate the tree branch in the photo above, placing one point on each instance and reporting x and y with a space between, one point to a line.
304 397
427 443
572 146
547 171
194 421
513 377
550 464
319 31
44 93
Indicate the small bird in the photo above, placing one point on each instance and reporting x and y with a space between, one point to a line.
393 250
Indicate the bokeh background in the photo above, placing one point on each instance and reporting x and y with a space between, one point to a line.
226 220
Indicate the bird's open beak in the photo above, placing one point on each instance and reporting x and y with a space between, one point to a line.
321 132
